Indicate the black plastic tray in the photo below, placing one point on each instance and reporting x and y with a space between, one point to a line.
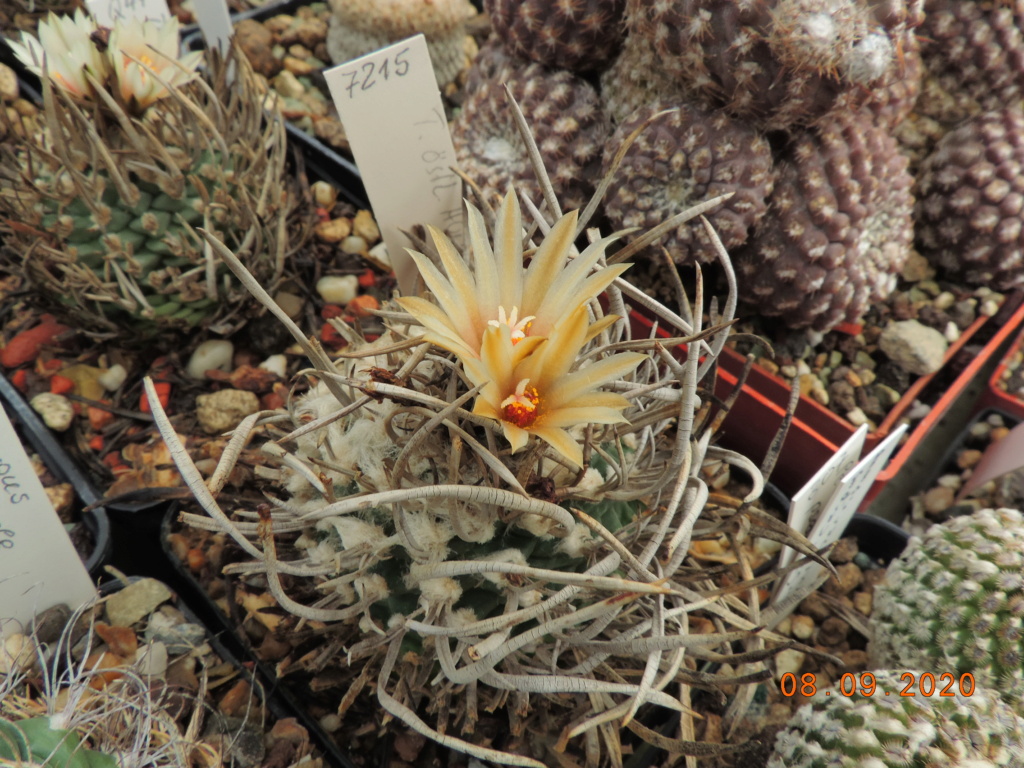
221 625
60 463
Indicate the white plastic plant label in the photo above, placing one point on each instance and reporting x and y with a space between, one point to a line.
107 12
834 519
391 108
214 21
39 567
811 500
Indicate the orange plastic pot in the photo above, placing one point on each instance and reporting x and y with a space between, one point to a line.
997 397
816 432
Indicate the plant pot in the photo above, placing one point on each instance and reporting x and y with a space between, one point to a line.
37 437
816 432
996 395
960 460
234 639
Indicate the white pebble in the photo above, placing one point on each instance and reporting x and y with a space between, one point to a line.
988 308
289 303
113 377
353 244
857 417
276 364
55 410
210 355
951 332
338 289
788 661
379 255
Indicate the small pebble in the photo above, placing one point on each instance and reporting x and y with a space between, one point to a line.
338 289
938 499
863 561
333 231
379 256
152 660
988 308
288 85
221 411
968 458
290 303
324 194
364 226
944 300
55 410
856 417
354 245
950 481
788 662
951 332
213 354
803 626
862 602
136 601
276 364
113 377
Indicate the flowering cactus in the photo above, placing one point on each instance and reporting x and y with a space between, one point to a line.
446 547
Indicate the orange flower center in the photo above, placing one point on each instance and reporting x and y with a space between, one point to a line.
520 408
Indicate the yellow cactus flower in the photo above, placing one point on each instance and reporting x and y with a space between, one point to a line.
155 45
498 291
535 394
66 49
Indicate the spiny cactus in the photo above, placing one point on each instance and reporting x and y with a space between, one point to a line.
839 228
358 27
137 155
578 36
782 63
477 498
875 730
971 211
954 601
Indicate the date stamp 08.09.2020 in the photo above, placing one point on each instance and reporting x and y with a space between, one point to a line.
914 684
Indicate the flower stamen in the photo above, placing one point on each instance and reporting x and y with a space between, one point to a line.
520 408
520 328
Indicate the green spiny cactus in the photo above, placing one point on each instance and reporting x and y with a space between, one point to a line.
36 742
104 204
954 602
894 731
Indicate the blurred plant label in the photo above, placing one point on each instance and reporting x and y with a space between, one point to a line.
391 109
834 519
107 12
39 567
1000 458
214 21
809 501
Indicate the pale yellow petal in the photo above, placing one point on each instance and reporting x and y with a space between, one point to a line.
442 332
564 294
508 251
483 261
496 355
446 295
599 325
516 436
570 417
565 389
458 275
597 400
547 264
560 440
553 359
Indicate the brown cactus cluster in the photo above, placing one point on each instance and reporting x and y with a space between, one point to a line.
823 117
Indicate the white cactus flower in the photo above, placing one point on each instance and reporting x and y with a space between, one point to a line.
65 50
138 50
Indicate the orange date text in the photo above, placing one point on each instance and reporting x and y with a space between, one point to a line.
913 684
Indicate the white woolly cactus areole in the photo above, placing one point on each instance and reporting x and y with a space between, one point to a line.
894 731
954 602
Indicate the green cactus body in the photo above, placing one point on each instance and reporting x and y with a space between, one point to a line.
954 602
36 742
110 237
894 731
